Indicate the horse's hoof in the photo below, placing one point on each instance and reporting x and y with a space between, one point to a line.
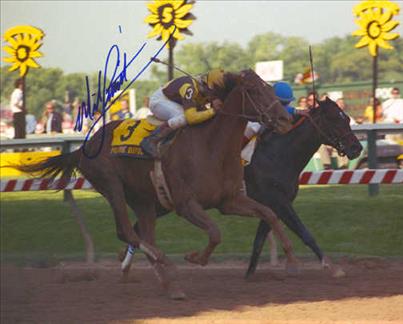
292 268
174 291
335 271
293 271
194 257
177 295
338 272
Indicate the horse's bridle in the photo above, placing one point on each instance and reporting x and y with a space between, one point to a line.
332 139
262 112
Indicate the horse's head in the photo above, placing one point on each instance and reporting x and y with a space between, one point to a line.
334 128
259 103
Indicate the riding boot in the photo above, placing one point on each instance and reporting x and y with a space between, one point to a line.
150 143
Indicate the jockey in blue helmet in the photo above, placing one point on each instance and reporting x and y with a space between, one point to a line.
285 95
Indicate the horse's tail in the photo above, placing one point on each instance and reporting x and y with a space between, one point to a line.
258 243
64 164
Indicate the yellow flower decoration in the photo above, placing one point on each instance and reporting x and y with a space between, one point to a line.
170 17
375 21
24 42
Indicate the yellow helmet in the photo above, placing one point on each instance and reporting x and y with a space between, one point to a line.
215 78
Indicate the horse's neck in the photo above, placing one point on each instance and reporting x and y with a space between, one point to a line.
305 143
225 132
224 135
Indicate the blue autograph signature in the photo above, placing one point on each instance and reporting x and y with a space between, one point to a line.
105 93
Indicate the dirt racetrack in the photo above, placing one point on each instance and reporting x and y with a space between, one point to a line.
372 292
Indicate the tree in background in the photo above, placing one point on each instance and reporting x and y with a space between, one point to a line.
338 61
45 84
335 59
199 58
51 84
271 46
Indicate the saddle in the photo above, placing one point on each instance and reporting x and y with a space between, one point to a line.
128 135
126 140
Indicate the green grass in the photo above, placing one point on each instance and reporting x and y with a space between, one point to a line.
343 219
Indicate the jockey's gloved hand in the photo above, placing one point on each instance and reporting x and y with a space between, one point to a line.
302 112
217 104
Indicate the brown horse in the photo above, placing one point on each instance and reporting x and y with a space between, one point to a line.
202 170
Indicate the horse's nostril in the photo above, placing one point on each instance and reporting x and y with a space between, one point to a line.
357 147
285 119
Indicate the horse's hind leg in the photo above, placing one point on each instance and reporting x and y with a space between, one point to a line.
195 214
288 215
245 206
166 272
112 189
125 256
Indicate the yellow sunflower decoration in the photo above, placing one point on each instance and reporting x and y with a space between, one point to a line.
375 21
170 17
24 42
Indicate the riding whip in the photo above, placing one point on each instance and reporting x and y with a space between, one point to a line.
156 60
313 75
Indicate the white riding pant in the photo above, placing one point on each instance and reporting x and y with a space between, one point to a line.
252 129
168 110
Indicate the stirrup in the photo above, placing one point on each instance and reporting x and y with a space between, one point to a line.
149 147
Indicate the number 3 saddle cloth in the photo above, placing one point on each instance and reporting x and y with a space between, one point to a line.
128 135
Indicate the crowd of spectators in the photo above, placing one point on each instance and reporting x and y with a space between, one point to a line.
59 118
389 111
56 118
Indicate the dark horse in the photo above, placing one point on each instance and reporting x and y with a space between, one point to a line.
202 170
273 175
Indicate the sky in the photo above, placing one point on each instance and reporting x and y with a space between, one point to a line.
79 34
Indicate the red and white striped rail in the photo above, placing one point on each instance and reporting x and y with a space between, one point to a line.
41 184
386 176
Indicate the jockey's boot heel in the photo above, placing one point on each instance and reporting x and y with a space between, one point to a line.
150 144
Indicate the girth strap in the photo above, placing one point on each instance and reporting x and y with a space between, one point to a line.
160 185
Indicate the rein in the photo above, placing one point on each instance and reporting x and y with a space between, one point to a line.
335 141
260 111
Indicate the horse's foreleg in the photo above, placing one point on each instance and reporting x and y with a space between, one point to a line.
245 206
260 238
195 214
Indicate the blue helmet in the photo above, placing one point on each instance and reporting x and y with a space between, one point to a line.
283 91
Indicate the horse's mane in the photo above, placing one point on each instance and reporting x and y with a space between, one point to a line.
299 122
246 78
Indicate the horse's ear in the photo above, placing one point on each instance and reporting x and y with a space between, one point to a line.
313 108
240 76
236 78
